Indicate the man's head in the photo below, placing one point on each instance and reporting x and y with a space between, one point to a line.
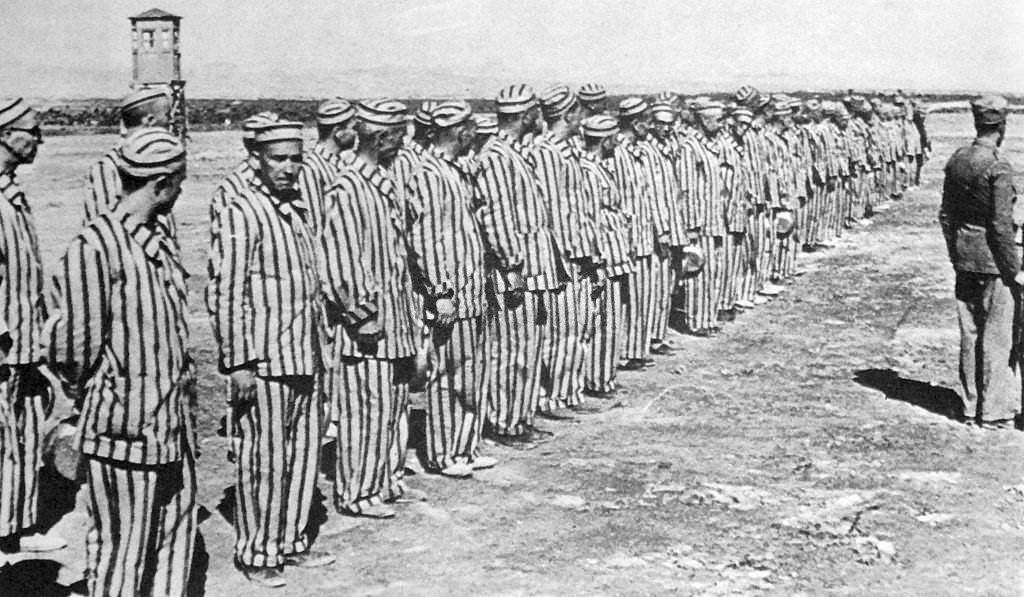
254 122
336 119
20 132
454 127
423 122
152 160
486 129
747 96
633 121
381 128
989 113
149 107
742 118
560 107
663 121
278 153
600 135
782 113
709 117
516 105
593 98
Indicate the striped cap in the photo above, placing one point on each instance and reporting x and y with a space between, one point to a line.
556 100
746 94
486 124
632 106
334 111
382 112
663 112
742 114
782 107
149 152
256 121
600 126
592 92
762 101
142 96
708 105
670 98
423 114
515 99
282 130
451 113
12 110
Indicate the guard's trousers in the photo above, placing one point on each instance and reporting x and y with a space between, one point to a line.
455 393
602 357
570 326
373 431
989 371
277 447
641 304
142 528
22 412
516 340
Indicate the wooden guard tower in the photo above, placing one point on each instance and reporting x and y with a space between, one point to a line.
156 61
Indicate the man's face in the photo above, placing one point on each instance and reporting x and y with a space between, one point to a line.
532 120
168 191
641 127
608 145
24 137
345 134
710 121
389 141
279 163
465 135
742 127
661 129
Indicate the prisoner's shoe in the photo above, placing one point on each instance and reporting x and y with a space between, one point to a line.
310 559
662 349
539 435
483 462
760 300
633 365
771 289
410 495
270 578
743 304
40 543
601 395
458 470
378 511
557 414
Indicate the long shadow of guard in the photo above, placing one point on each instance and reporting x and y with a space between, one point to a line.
936 399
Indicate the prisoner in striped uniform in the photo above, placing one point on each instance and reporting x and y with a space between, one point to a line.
556 162
594 99
524 267
265 306
446 262
25 392
366 277
120 335
332 152
632 178
145 107
600 137
244 174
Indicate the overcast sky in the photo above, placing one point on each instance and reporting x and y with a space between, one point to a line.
374 47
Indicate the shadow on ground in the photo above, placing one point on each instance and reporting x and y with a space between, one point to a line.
936 399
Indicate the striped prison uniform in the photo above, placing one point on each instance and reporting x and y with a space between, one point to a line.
556 162
601 365
446 260
24 393
514 224
103 192
365 273
735 205
121 335
662 173
234 185
320 168
632 179
857 140
782 187
758 230
265 307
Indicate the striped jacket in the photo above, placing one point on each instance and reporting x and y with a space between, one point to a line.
364 264
613 223
735 185
103 192
120 332
233 186
319 170
665 189
406 163
631 176
513 218
556 162
264 293
21 274
446 253
706 188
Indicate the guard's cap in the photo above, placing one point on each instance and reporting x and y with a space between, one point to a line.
515 99
334 111
556 100
282 130
12 110
600 126
592 92
632 106
451 113
141 97
149 152
382 112
989 109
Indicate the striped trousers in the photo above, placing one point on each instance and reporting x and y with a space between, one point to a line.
602 359
25 394
570 326
372 397
455 393
642 294
702 292
277 439
516 341
736 263
665 273
143 527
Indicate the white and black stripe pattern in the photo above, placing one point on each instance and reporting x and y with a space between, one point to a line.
319 169
700 293
371 405
264 291
229 189
142 535
24 396
613 227
121 332
631 181
605 346
665 275
641 301
455 396
103 192
556 163
515 345
21 274
569 329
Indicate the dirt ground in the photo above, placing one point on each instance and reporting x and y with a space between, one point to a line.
807 450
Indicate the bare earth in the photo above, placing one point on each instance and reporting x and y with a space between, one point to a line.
805 451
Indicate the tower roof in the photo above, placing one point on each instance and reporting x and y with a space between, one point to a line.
155 14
